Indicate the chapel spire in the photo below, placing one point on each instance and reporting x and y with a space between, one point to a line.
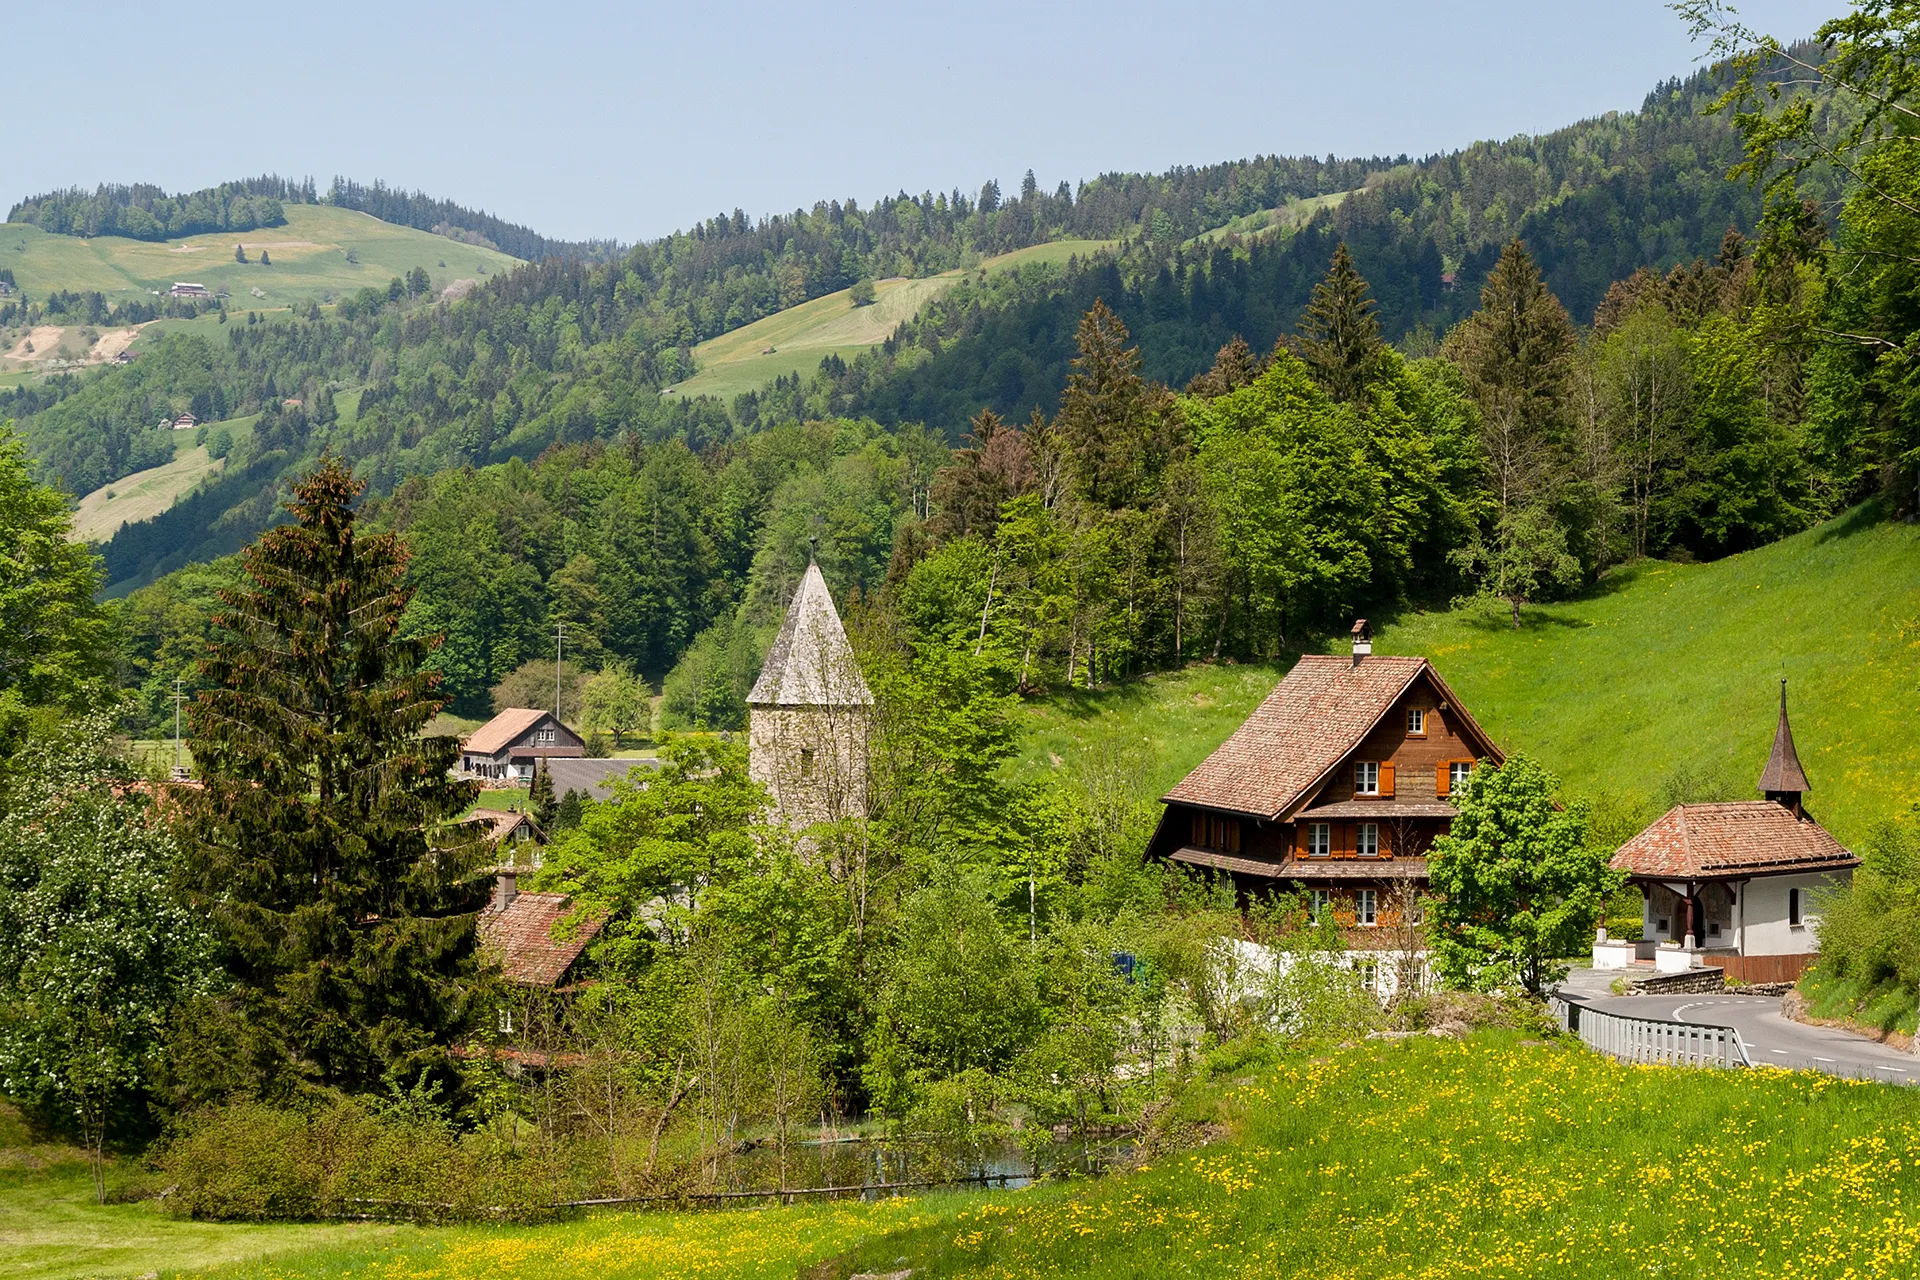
1783 780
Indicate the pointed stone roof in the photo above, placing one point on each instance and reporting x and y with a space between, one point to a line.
1783 771
811 664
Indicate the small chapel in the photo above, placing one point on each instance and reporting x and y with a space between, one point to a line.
809 715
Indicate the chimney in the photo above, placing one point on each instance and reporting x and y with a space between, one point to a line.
1362 640
506 887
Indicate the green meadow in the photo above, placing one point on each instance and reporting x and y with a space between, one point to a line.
309 259
146 494
1493 1156
1288 216
797 339
1661 684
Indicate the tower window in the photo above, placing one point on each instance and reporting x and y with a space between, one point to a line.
806 762
1793 907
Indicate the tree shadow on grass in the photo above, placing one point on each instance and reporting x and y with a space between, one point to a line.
1860 519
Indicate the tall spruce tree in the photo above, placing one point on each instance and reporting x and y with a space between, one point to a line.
1109 416
1339 334
1517 354
323 842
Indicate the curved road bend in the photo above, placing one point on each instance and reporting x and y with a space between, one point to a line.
1772 1040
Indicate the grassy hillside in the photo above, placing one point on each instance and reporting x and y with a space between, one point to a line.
1660 686
309 259
1492 1156
797 339
145 494
1294 213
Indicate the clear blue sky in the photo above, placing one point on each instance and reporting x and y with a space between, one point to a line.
591 118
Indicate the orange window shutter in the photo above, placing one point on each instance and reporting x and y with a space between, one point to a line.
1299 839
1386 780
1443 778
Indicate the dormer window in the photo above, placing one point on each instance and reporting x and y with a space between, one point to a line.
1416 722
1366 778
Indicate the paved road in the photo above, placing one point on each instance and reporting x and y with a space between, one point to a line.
1772 1039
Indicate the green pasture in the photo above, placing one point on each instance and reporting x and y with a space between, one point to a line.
1288 216
1661 684
146 494
309 259
1492 1156
797 339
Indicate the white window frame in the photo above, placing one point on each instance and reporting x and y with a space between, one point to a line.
1319 902
1366 909
1366 778
1457 773
1417 722
1369 974
1366 840
1319 839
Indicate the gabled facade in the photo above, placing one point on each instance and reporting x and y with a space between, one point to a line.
505 748
1337 784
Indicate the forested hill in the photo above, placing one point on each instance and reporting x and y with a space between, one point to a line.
569 351
1593 202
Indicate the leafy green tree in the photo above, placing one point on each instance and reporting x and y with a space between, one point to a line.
616 701
55 642
323 844
531 684
861 293
1525 557
1517 879
1339 335
95 948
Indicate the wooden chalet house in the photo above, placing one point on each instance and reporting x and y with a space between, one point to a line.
1731 885
506 748
1337 784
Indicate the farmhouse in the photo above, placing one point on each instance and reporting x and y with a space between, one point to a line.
188 289
1732 885
1338 783
185 422
507 746
515 837
517 931
808 713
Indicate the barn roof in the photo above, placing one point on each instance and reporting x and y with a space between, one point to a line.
811 664
521 938
1727 841
1312 720
500 732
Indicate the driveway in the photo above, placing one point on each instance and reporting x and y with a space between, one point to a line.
1771 1040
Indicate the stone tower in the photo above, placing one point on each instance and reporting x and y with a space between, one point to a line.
808 715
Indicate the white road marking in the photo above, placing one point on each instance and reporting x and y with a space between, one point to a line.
1818 1058
1781 1052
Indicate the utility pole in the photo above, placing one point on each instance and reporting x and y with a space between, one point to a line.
177 772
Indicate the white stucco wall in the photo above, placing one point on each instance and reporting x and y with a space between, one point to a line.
1759 922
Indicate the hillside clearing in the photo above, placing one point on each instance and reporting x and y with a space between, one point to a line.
1660 685
802 336
1287 217
309 259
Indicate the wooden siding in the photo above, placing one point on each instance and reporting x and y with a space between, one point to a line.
1414 760
1763 968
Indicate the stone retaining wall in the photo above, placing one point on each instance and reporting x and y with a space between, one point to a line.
1685 983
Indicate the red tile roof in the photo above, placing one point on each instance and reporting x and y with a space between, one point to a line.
1312 720
499 824
1725 841
498 733
522 940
